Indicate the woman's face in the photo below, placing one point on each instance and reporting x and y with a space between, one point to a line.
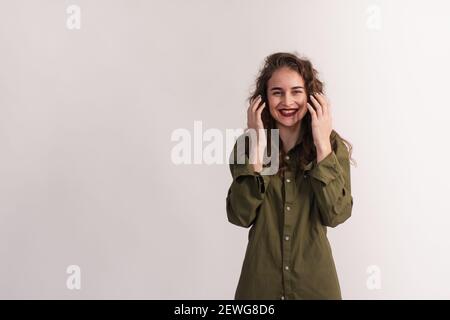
286 97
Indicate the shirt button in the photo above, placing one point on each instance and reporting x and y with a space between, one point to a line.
286 238
282 297
288 180
288 208
287 157
286 267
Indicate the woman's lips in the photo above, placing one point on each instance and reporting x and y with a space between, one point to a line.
288 112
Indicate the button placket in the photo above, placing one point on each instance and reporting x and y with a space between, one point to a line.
289 190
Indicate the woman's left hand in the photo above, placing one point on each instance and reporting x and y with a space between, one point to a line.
321 124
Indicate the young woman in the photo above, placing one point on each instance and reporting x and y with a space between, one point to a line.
288 255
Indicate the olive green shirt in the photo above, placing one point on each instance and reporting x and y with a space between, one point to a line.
288 255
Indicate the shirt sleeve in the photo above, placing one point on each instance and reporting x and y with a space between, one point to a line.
246 193
332 186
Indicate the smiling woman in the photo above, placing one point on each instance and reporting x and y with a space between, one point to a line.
287 97
285 84
288 255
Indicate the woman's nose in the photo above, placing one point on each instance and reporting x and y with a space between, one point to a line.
287 99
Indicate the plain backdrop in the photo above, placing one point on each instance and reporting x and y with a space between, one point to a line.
86 118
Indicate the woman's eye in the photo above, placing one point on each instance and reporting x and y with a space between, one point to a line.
276 93
297 92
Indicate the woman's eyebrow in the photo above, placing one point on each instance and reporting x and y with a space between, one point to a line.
279 88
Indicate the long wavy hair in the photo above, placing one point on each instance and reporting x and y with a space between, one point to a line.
304 67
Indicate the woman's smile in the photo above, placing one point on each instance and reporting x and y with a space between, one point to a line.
287 113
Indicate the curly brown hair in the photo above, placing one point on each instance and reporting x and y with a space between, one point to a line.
304 67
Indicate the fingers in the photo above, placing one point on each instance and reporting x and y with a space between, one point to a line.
254 112
324 103
312 111
255 103
252 105
260 109
317 105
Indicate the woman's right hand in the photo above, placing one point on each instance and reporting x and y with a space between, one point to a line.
254 111
254 122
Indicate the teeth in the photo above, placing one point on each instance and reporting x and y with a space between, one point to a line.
288 112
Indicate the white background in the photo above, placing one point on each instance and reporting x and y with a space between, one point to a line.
86 118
